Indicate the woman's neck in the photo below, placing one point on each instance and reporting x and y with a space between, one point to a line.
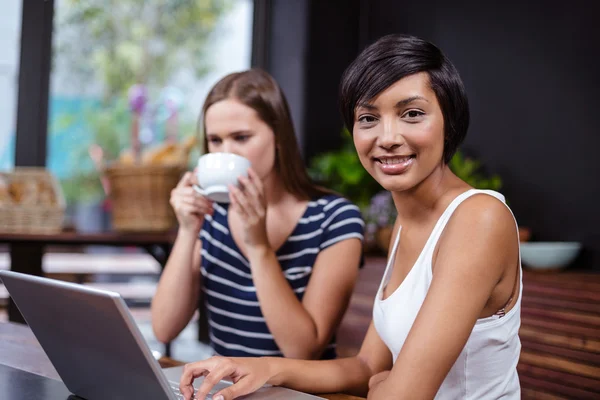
429 198
275 192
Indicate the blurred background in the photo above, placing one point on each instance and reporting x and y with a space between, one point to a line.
97 52
67 67
77 77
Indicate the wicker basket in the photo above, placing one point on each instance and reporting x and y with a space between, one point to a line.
140 196
41 204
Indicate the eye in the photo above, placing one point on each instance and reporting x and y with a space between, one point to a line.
214 140
242 138
412 114
366 119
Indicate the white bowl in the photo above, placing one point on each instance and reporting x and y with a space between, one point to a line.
549 255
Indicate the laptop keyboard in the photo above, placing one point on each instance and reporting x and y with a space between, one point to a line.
175 387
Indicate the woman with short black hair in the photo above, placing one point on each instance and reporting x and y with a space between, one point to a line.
447 313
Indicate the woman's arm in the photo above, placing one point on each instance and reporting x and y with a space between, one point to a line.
304 329
300 329
350 375
178 290
478 247
344 375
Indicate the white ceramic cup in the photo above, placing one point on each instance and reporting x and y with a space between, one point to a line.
216 171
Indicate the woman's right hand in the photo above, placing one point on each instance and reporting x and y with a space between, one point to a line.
189 206
247 374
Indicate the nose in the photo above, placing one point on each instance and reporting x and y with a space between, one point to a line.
230 146
391 135
227 146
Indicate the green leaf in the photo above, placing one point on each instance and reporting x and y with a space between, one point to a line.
342 171
468 170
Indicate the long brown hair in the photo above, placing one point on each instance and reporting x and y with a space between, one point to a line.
258 90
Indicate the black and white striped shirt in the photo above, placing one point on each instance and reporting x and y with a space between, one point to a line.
236 324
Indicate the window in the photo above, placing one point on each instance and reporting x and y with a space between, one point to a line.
10 38
174 51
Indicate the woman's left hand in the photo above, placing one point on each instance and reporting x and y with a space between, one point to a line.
249 202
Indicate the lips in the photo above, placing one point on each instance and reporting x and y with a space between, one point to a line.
394 165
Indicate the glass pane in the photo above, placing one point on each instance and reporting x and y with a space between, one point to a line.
10 43
127 63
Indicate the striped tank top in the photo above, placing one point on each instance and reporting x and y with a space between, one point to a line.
237 327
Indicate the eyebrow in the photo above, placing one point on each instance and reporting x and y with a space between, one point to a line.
234 133
400 104
409 100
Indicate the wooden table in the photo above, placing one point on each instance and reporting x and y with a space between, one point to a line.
27 250
560 335
20 349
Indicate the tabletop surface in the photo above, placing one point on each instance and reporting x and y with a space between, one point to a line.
20 349
73 237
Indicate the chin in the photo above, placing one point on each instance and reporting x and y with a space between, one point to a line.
395 183
398 188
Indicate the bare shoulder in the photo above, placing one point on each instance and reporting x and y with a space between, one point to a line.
482 231
483 213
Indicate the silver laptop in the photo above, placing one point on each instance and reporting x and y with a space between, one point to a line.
95 345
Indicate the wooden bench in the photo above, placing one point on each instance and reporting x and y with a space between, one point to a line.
560 330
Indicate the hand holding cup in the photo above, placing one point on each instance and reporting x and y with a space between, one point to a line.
190 208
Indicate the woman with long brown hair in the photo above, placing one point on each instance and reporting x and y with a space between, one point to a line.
277 265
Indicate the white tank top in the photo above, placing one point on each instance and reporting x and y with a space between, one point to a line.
487 366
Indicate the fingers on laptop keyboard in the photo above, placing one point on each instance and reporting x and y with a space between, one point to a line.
181 396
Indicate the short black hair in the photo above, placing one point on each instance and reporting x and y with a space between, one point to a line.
394 57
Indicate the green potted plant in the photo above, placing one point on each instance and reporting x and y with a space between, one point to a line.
469 170
341 171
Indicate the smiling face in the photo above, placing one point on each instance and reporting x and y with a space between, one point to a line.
399 135
232 127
